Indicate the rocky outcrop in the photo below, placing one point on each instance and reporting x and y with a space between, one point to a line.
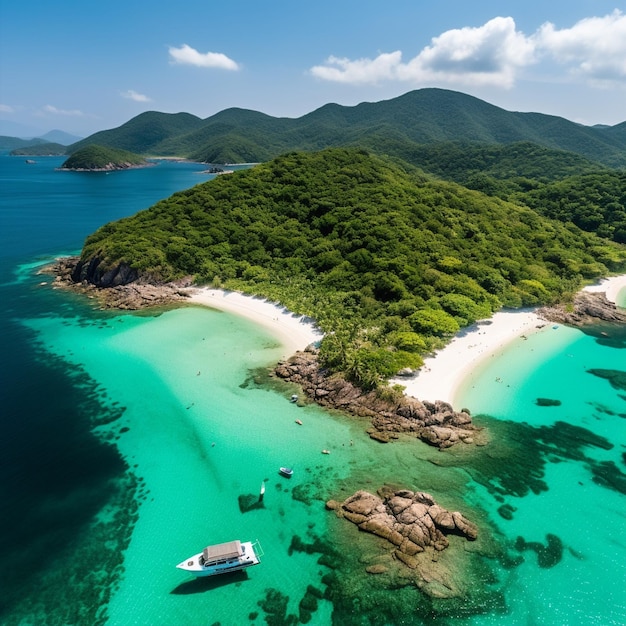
412 522
587 308
117 288
434 422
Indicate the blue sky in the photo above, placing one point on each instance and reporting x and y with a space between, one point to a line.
87 66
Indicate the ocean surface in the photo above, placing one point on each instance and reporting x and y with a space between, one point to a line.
128 442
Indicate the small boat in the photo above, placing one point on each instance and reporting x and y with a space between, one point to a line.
222 558
30 161
299 422
286 471
325 451
294 397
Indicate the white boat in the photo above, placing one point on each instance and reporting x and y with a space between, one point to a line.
286 471
222 558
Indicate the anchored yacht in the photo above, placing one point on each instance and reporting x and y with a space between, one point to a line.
222 558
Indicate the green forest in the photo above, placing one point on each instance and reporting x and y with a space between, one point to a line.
400 127
389 260
94 157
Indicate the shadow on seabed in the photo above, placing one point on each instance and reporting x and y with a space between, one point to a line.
200 585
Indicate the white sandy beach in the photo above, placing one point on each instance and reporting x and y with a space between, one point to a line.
611 286
441 375
294 332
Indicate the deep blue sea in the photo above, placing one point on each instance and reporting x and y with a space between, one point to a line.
130 441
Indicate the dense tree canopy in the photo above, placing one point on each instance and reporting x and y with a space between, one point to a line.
389 262
594 202
94 157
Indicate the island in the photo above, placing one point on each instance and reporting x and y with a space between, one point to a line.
95 158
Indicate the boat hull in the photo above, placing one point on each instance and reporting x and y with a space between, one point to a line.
198 566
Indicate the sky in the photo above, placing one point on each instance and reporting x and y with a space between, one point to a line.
84 66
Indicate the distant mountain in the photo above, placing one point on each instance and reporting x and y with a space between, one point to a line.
143 133
395 127
12 143
53 142
60 136
40 149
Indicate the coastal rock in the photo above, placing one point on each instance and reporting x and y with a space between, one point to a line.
117 288
588 308
436 423
417 528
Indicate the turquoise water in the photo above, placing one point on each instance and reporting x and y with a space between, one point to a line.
130 441
588 585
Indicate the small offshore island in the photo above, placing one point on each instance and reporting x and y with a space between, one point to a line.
94 158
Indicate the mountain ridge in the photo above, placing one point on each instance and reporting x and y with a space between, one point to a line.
418 117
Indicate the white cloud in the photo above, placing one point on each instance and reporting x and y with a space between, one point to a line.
5 108
72 113
495 53
383 67
186 55
131 94
594 48
490 54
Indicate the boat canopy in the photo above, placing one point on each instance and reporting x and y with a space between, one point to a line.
228 550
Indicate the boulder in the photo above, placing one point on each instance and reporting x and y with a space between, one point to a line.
411 521
434 422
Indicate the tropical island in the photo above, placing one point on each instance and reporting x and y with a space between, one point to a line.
94 158
389 261
391 257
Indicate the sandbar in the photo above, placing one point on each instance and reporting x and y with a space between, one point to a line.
294 332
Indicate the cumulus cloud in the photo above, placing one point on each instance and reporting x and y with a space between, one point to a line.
494 54
341 70
489 54
5 108
54 111
594 48
131 94
186 55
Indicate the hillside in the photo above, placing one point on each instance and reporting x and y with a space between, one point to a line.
595 202
142 133
389 262
395 127
13 143
40 149
98 158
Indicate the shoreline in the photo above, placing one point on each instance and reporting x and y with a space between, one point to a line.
443 374
610 286
295 332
